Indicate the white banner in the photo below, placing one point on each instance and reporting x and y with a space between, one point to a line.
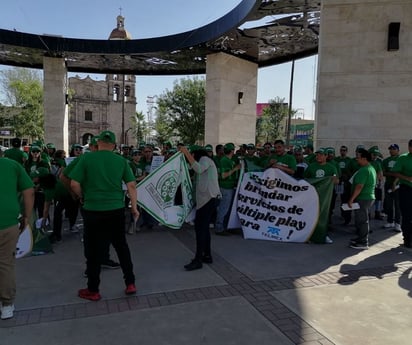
272 205
156 193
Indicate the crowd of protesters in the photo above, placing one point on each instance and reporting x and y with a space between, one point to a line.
371 183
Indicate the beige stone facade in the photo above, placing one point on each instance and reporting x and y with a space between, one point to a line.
97 105
231 91
364 91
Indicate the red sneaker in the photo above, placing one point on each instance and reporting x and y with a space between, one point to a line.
130 289
90 295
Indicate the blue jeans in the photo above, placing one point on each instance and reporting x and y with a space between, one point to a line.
223 208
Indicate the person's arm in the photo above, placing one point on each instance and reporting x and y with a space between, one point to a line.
77 190
356 192
231 171
45 215
132 192
28 202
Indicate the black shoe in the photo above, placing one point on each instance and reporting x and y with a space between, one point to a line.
111 264
354 240
207 259
194 265
222 233
358 245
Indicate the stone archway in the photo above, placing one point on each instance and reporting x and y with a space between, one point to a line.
86 138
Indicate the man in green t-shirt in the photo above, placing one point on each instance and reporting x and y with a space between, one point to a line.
228 176
363 193
14 181
15 152
344 163
403 171
97 180
391 188
281 159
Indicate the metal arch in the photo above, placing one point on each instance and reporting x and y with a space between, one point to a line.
290 31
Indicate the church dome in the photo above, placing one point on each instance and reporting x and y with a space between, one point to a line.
120 33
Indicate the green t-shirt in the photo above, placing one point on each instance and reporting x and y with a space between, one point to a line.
69 168
310 158
15 154
57 193
387 166
100 175
366 176
316 170
403 166
14 179
344 166
287 160
31 166
227 164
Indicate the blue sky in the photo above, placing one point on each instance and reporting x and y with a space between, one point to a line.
143 19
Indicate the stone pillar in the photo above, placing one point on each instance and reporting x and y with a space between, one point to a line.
54 101
364 91
231 91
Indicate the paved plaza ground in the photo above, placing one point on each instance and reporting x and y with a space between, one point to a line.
255 292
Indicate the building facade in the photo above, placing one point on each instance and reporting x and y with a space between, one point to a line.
97 105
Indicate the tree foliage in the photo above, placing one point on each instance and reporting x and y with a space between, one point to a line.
270 126
181 111
23 91
139 127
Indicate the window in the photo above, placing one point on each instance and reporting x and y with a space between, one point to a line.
88 115
116 93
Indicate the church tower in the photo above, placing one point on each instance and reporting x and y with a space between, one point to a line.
97 105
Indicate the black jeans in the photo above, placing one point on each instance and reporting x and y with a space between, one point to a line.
100 229
391 205
202 221
405 197
59 206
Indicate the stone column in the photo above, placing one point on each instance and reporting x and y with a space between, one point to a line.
231 92
54 101
364 90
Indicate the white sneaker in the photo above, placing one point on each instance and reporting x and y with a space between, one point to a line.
389 225
75 229
328 240
398 227
7 312
211 226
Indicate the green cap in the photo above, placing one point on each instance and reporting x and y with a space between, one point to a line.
229 147
107 137
374 150
193 148
93 140
321 150
76 146
35 148
50 146
39 172
250 146
209 147
330 150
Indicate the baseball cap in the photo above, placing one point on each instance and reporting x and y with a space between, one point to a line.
39 172
330 150
374 150
93 140
229 146
393 147
193 148
359 147
76 146
250 146
321 150
35 148
209 147
50 146
107 137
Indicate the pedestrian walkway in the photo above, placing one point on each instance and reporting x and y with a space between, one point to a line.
255 292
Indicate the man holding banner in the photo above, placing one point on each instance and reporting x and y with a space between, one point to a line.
207 191
15 180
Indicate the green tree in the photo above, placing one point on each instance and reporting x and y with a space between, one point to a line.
183 110
139 127
23 92
271 124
